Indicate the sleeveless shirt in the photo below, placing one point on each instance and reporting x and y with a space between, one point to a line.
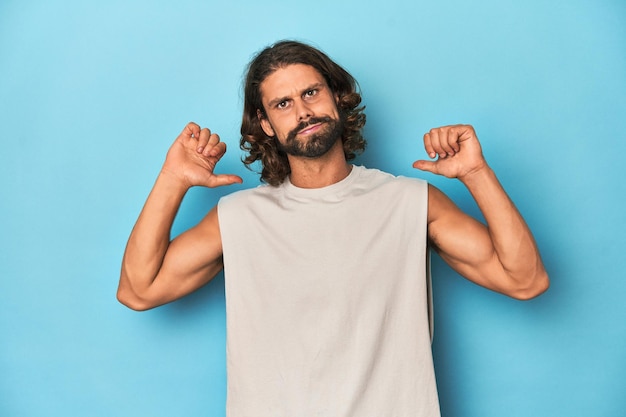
326 299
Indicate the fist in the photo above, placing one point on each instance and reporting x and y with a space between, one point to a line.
456 149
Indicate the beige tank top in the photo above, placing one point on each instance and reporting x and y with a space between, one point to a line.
327 299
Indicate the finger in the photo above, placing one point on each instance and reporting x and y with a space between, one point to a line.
213 142
435 140
445 136
428 146
191 130
452 141
217 151
466 132
203 139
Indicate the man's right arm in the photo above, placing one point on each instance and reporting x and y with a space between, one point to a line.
156 270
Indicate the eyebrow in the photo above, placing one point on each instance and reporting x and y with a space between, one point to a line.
275 101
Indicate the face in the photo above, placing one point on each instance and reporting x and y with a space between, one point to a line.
301 111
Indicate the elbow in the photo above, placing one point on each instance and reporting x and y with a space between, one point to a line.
532 288
131 300
134 297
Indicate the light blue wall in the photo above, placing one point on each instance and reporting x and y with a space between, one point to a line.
93 93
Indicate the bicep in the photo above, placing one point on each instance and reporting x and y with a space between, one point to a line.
193 258
462 241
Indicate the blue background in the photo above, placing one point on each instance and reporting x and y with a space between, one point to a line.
93 93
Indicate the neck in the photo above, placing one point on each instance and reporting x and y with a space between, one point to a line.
320 172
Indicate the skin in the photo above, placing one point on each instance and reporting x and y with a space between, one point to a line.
501 255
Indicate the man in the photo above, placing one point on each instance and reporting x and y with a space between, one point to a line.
325 265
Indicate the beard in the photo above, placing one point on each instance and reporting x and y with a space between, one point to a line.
318 143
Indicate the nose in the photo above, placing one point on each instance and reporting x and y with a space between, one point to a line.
303 111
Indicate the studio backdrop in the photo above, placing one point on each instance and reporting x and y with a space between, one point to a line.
93 93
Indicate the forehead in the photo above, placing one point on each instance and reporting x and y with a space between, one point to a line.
288 81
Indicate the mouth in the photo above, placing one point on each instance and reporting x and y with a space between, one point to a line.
310 129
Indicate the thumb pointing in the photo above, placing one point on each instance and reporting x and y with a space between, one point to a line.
226 179
428 166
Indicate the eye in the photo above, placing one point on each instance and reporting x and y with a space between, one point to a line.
310 93
281 104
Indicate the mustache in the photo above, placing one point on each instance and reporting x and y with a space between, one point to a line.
304 124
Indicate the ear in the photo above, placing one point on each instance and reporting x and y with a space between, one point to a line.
265 124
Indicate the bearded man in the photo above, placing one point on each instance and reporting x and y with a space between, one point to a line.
326 263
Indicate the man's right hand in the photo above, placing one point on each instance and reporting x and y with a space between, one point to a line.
193 156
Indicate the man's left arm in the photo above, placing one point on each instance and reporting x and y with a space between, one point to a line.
501 255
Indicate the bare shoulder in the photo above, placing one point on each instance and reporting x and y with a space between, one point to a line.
198 247
450 230
206 232
437 202
441 209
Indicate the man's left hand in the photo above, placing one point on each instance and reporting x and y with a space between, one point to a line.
457 150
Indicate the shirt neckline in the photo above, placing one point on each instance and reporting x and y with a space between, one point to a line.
332 189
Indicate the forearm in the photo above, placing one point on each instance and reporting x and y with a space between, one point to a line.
512 240
150 238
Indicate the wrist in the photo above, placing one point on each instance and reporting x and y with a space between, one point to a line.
174 182
477 176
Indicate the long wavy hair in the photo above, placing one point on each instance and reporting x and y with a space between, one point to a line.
259 146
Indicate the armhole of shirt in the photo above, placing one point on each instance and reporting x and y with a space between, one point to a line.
429 282
429 295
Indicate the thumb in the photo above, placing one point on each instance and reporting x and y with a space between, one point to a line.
225 179
428 166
